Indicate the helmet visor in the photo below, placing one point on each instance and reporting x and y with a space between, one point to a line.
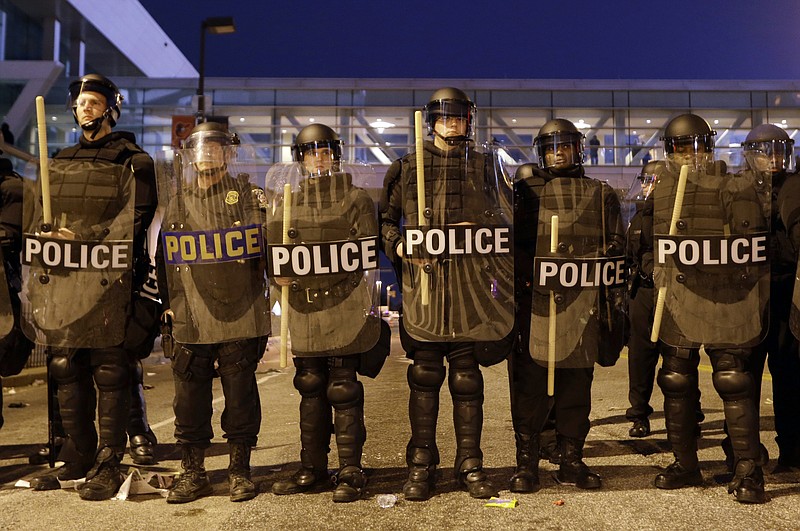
559 150
451 119
770 155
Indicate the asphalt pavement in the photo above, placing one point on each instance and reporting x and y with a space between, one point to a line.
628 499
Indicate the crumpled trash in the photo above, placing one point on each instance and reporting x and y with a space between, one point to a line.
135 483
504 503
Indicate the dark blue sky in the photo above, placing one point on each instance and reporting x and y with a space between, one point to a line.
569 39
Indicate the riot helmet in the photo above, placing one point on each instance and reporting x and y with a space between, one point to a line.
318 149
451 103
768 148
110 109
688 140
559 146
208 149
648 177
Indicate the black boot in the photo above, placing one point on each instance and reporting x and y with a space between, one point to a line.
748 482
677 476
142 450
573 471
526 475
315 435
421 474
241 486
193 483
104 479
350 484
67 472
472 477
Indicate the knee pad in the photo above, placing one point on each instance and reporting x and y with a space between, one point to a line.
733 385
310 382
111 377
674 384
426 376
466 384
343 394
63 370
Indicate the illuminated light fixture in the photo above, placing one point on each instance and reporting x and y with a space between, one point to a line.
380 125
716 122
312 120
513 120
783 121
648 121
283 131
634 132
582 125
74 129
735 144
241 119
54 118
782 125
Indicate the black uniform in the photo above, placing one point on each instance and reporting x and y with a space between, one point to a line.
330 208
427 374
77 370
528 379
708 209
228 290
15 348
780 349
643 354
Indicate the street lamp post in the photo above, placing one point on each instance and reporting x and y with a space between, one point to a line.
216 25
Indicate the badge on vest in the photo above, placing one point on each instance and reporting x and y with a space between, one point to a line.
232 198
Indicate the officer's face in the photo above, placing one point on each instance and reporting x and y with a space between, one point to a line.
318 161
560 156
450 126
90 106
209 163
690 153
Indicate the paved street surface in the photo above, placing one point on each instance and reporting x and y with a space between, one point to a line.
628 466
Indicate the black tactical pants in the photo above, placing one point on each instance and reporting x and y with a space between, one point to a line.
76 372
324 383
425 378
572 402
193 372
678 382
643 357
782 352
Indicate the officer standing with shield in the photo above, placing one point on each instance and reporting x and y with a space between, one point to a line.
332 312
455 261
86 235
569 247
770 159
710 259
643 353
217 300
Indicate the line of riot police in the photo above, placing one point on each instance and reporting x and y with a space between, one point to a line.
530 271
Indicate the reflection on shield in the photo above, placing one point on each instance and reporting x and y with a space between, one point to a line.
322 236
213 243
577 288
77 271
714 269
6 312
458 268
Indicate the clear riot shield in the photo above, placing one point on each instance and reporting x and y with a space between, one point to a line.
579 276
322 241
711 254
77 266
212 236
458 265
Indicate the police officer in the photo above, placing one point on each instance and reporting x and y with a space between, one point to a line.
643 354
559 146
96 104
455 177
216 305
329 317
768 151
689 142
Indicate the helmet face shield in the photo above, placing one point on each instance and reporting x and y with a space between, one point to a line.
451 119
695 151
770 155
561 150
86 92
319 158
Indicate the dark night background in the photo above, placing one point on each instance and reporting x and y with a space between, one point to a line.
600 39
